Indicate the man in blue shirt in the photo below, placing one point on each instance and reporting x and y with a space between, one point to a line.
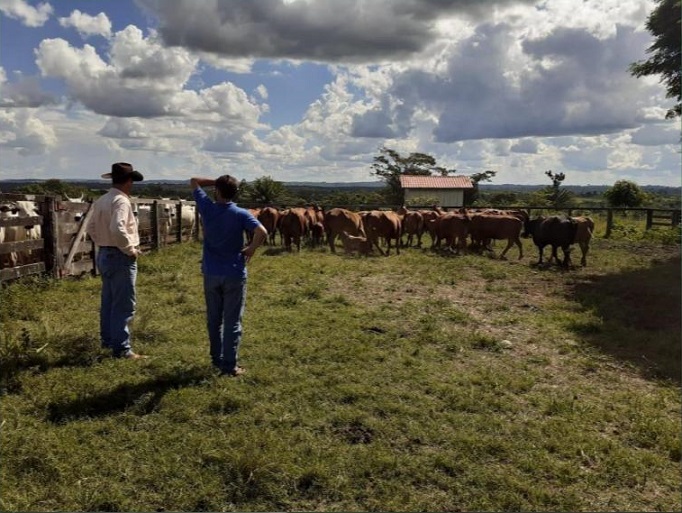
224 266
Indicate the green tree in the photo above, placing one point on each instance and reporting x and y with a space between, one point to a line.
556 196
664 60
503 199
265 190
625 193
472 195
390 165
53 186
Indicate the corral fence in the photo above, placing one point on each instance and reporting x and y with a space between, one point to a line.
51 238
48 234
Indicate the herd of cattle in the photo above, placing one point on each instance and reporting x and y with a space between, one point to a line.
168 220
359 232
363 231
24 209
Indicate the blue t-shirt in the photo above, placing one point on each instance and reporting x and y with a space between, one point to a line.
224 225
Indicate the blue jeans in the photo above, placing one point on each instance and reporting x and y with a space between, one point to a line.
119 272
225 301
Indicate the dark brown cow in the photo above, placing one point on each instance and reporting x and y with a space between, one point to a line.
386 224
317 234
554 231
486 227
268 218
338 220
454 228
293 227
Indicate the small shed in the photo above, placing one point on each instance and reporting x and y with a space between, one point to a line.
447 190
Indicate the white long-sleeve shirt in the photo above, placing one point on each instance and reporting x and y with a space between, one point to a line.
113 223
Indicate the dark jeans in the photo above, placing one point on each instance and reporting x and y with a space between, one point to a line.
119 273
225 301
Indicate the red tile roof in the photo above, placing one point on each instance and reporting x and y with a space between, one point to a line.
436 182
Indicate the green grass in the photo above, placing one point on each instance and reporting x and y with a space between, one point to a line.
414 382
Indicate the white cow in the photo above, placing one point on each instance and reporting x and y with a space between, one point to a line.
168 219
8 210
143 214
188 218
33 231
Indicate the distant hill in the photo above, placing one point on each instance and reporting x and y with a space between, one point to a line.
10 185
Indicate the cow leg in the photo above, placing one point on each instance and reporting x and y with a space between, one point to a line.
518 243
584 247
330 239
510 243
567 256
376 243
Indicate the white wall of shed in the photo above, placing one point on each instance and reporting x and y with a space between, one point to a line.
446 197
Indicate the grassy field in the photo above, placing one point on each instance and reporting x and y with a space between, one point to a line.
422 381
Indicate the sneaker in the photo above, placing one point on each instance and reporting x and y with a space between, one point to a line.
237 371
134 356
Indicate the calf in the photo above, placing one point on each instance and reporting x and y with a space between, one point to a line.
355 243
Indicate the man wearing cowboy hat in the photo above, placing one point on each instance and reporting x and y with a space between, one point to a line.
113 228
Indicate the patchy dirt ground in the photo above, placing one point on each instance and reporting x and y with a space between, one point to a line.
633 287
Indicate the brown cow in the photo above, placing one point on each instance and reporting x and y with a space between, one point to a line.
454 228
268 218
485 227
317 234
428 216
355 243
338 220
293 227
413 224
386 224
583 235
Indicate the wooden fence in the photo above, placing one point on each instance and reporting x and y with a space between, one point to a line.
64 249
61 246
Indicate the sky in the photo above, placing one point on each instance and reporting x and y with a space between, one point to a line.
310 90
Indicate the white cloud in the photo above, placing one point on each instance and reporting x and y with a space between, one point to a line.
23 131
88 25
27 14
22 92
518 89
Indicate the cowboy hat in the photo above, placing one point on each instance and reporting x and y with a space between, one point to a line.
123 169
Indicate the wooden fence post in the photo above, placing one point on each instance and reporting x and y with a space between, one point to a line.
156 225
649 218
50 235
178 211
609 223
